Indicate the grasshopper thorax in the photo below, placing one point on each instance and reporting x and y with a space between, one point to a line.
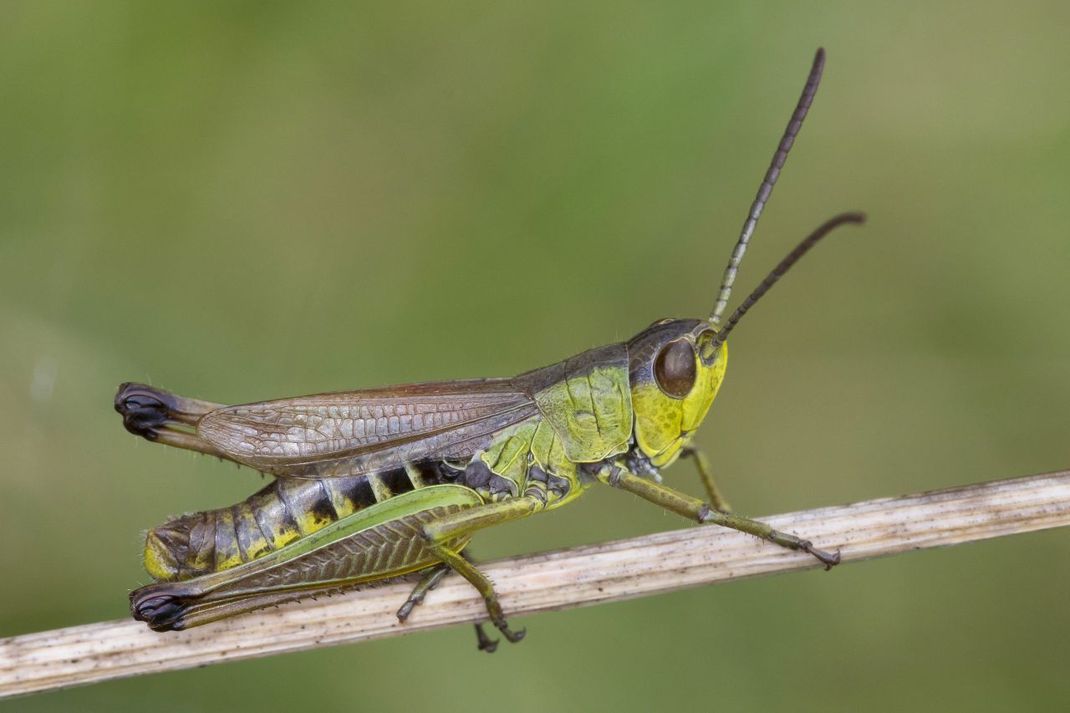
675 367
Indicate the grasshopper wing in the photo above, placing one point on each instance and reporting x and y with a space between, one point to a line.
351 433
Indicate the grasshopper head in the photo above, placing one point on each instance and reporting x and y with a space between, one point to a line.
675 369
676 365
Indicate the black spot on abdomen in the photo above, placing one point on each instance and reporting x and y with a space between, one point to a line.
397 480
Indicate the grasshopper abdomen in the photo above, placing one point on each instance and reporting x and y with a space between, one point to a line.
282 512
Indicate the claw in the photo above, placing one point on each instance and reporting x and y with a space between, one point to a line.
829 559
511 636
484 642
515 636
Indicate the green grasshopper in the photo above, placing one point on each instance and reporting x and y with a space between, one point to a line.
380 483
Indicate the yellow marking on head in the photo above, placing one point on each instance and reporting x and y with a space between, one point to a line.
663 424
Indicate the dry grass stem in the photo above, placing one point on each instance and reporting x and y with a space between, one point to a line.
556 580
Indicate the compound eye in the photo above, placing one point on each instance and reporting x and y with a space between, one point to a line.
674 368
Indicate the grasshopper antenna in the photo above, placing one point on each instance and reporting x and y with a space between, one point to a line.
777 272
764 190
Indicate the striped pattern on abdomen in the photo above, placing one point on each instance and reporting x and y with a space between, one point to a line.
283 511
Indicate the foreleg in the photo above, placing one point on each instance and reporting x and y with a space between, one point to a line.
695 509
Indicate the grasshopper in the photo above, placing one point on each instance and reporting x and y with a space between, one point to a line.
379 483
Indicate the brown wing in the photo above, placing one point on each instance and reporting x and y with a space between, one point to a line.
349 433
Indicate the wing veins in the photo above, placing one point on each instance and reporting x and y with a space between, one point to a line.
243 435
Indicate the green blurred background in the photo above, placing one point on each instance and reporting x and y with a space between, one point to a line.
258 200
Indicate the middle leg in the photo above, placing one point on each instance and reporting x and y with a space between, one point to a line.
438 533
428 581
702 465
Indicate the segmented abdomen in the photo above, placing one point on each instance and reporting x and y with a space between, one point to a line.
281 512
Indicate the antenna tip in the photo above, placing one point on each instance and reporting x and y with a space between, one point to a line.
855 217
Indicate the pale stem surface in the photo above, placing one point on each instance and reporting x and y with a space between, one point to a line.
583 575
